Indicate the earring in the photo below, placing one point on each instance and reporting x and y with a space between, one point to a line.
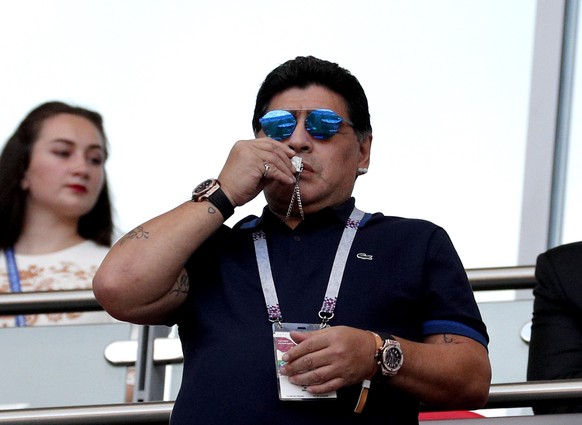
362 171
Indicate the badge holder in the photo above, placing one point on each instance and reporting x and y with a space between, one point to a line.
282 343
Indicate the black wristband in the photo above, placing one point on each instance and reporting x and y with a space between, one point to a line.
222 203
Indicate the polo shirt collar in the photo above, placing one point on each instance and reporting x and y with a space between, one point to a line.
341 213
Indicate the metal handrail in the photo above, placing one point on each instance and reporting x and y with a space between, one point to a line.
498 278
130 413
48 302
518 394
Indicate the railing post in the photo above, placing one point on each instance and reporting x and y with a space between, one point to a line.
149 377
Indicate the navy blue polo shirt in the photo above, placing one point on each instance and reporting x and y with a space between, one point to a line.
402 277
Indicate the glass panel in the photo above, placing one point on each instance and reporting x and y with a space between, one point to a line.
61 365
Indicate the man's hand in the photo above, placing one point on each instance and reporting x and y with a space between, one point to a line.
331 358
251 164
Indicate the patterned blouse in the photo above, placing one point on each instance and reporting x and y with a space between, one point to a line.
70 268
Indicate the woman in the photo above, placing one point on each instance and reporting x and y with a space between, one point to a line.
55 213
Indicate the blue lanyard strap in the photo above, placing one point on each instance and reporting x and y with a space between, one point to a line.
14 278
335 278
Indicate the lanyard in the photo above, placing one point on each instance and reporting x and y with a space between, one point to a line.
14 278
335 278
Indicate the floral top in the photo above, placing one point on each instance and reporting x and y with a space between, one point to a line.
70 268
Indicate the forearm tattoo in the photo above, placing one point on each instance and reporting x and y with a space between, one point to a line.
182 284
137 233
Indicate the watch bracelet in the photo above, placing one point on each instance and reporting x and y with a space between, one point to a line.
222 203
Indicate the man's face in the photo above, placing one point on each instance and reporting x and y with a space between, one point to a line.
330 165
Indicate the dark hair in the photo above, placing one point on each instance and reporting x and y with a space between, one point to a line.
304 71
96 225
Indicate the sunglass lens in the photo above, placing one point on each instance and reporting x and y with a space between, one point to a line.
323 123
278 125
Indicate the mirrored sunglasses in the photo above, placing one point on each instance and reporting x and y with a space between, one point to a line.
319 123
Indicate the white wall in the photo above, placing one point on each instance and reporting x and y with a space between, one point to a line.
447 83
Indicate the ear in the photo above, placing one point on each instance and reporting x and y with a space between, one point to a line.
365 148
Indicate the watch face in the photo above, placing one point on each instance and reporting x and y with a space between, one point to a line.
202 189
203 186
393 358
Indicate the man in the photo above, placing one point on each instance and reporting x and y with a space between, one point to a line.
399 324
555 349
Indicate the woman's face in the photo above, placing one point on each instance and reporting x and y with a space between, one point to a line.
66 171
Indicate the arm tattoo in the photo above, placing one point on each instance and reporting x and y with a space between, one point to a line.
137 233
211 209
182 285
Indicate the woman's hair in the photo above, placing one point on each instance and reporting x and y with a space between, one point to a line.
304 71
96 225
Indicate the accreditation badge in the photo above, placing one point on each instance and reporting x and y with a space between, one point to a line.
282 343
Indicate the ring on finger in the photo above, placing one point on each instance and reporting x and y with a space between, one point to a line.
267 168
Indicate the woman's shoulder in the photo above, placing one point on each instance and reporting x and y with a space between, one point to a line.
86 252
